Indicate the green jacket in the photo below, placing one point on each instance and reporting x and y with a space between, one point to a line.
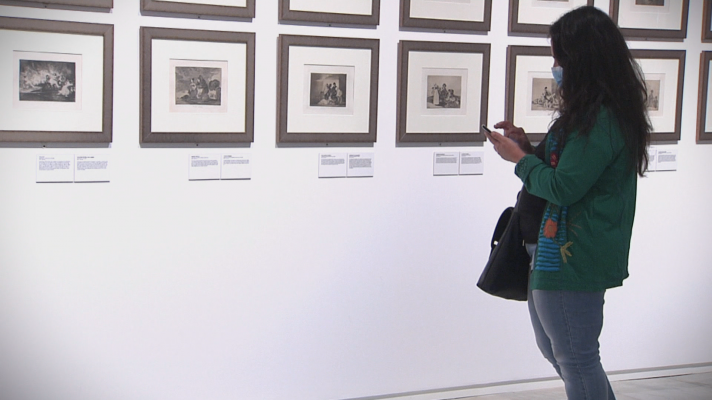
591 196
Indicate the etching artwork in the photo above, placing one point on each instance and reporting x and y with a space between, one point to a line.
444 91
48 81
544 97
650 2
198 86
653 101
327 90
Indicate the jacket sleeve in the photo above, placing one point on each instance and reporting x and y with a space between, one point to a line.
581 163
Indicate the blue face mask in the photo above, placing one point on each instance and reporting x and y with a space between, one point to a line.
558 73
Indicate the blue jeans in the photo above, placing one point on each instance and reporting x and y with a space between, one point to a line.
567 325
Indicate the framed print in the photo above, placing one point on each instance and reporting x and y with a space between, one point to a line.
707 22
533 17
704 105
220 8
442 91
57 81
327 89
532 93
83 3
663 72
197 86
347 12
445 15
651 19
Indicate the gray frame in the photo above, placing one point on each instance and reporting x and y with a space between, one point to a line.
148 34
707 22
76 28
678 55
445 25
702 117
286 14
652 33
524 29
509 89
82 3
404 49
287 41
200 9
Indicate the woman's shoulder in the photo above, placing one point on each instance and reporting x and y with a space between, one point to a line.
607 130
606 125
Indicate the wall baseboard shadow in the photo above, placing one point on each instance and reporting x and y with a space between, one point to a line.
540 383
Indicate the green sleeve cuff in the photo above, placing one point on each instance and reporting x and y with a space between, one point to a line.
525 166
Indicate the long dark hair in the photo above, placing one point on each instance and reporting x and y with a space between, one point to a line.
600 71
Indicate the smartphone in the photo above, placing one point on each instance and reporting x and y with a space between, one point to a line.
486 128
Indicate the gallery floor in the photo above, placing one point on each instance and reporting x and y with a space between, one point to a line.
681 387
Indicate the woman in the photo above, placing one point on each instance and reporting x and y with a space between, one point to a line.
594 150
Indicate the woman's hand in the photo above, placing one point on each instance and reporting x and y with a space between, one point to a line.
517 134
507 148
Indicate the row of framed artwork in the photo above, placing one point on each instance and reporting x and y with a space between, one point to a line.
199 87
638 19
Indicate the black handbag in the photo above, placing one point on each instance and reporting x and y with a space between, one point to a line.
506 274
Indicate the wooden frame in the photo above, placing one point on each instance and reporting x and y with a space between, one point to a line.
704 114
449 22
707 22
96 57
666 127
229 125
330 17
168 6
82 3
537 25
536 120
644 28
348 68
427 109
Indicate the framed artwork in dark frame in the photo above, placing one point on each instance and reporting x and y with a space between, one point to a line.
362 12
442 91
245 10
327 89
59 94
531 94
474 16
196 86
651 19
704 106
664 76
533 17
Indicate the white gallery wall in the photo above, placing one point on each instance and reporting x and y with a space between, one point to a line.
287 286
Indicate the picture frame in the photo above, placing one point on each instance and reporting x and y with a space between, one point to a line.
707 22
475 16
442 91
196 86
218 8
664 73
82 3
327 89
704 105
533 17
658 20
531 101
530 90
343 12
60 76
